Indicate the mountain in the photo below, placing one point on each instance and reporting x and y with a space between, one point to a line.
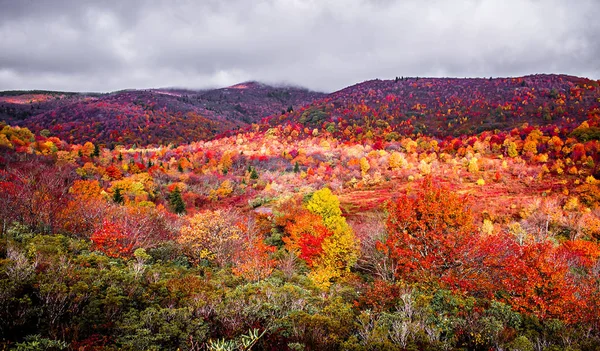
444 107
379 109
157 116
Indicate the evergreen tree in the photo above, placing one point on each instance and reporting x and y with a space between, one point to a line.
176 202
96 152
296 167
253 174
117 196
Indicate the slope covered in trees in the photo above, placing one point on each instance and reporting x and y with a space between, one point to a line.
298 238
145 117
448 106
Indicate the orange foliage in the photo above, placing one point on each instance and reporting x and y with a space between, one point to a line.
255 264
306 236
428 232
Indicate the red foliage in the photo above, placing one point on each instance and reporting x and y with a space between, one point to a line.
379 296
306 235
428 232
112 239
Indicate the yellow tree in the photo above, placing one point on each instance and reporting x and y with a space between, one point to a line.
212 235
340 249
226 162
87 149
397 161
364 166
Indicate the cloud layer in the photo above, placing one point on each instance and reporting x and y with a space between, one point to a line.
325 45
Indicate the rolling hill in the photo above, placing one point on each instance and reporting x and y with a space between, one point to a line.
144 117
444 107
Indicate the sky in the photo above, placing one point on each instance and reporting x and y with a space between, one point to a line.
324 45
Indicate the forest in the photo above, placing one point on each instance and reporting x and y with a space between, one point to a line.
407 214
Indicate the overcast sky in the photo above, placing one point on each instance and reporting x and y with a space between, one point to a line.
325 45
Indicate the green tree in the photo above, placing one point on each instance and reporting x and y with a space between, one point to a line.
176 202
117 196
96 152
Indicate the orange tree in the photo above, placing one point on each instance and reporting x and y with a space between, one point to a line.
429 232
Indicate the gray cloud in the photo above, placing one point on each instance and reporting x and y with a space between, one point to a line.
322 44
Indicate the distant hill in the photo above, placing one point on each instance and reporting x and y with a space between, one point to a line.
376 109
157 116
447 106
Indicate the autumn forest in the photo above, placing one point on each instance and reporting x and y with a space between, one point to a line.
403 214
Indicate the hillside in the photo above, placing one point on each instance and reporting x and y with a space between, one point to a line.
145 117
294 235
380 109
447 106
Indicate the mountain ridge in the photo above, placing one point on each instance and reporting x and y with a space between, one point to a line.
374 108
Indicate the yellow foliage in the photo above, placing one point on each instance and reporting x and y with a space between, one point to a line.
473 165
5 142
364 166
409 145
397 161
65 157
487 227
226 161
591 180
530 146
224 190
140 185
424 167
87 149
511 148
542 158
340 250
210 235
572 204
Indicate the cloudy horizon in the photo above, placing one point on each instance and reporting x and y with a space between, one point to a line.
84 45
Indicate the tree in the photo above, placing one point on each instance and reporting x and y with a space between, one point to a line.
306 235
87 149
96 152
213 236
176 202
117 196
364 166
428 231
255 264
340 249
253 174
397 161
112 239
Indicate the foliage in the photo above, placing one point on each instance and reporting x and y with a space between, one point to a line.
428 232
454 224
112 239
213 236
